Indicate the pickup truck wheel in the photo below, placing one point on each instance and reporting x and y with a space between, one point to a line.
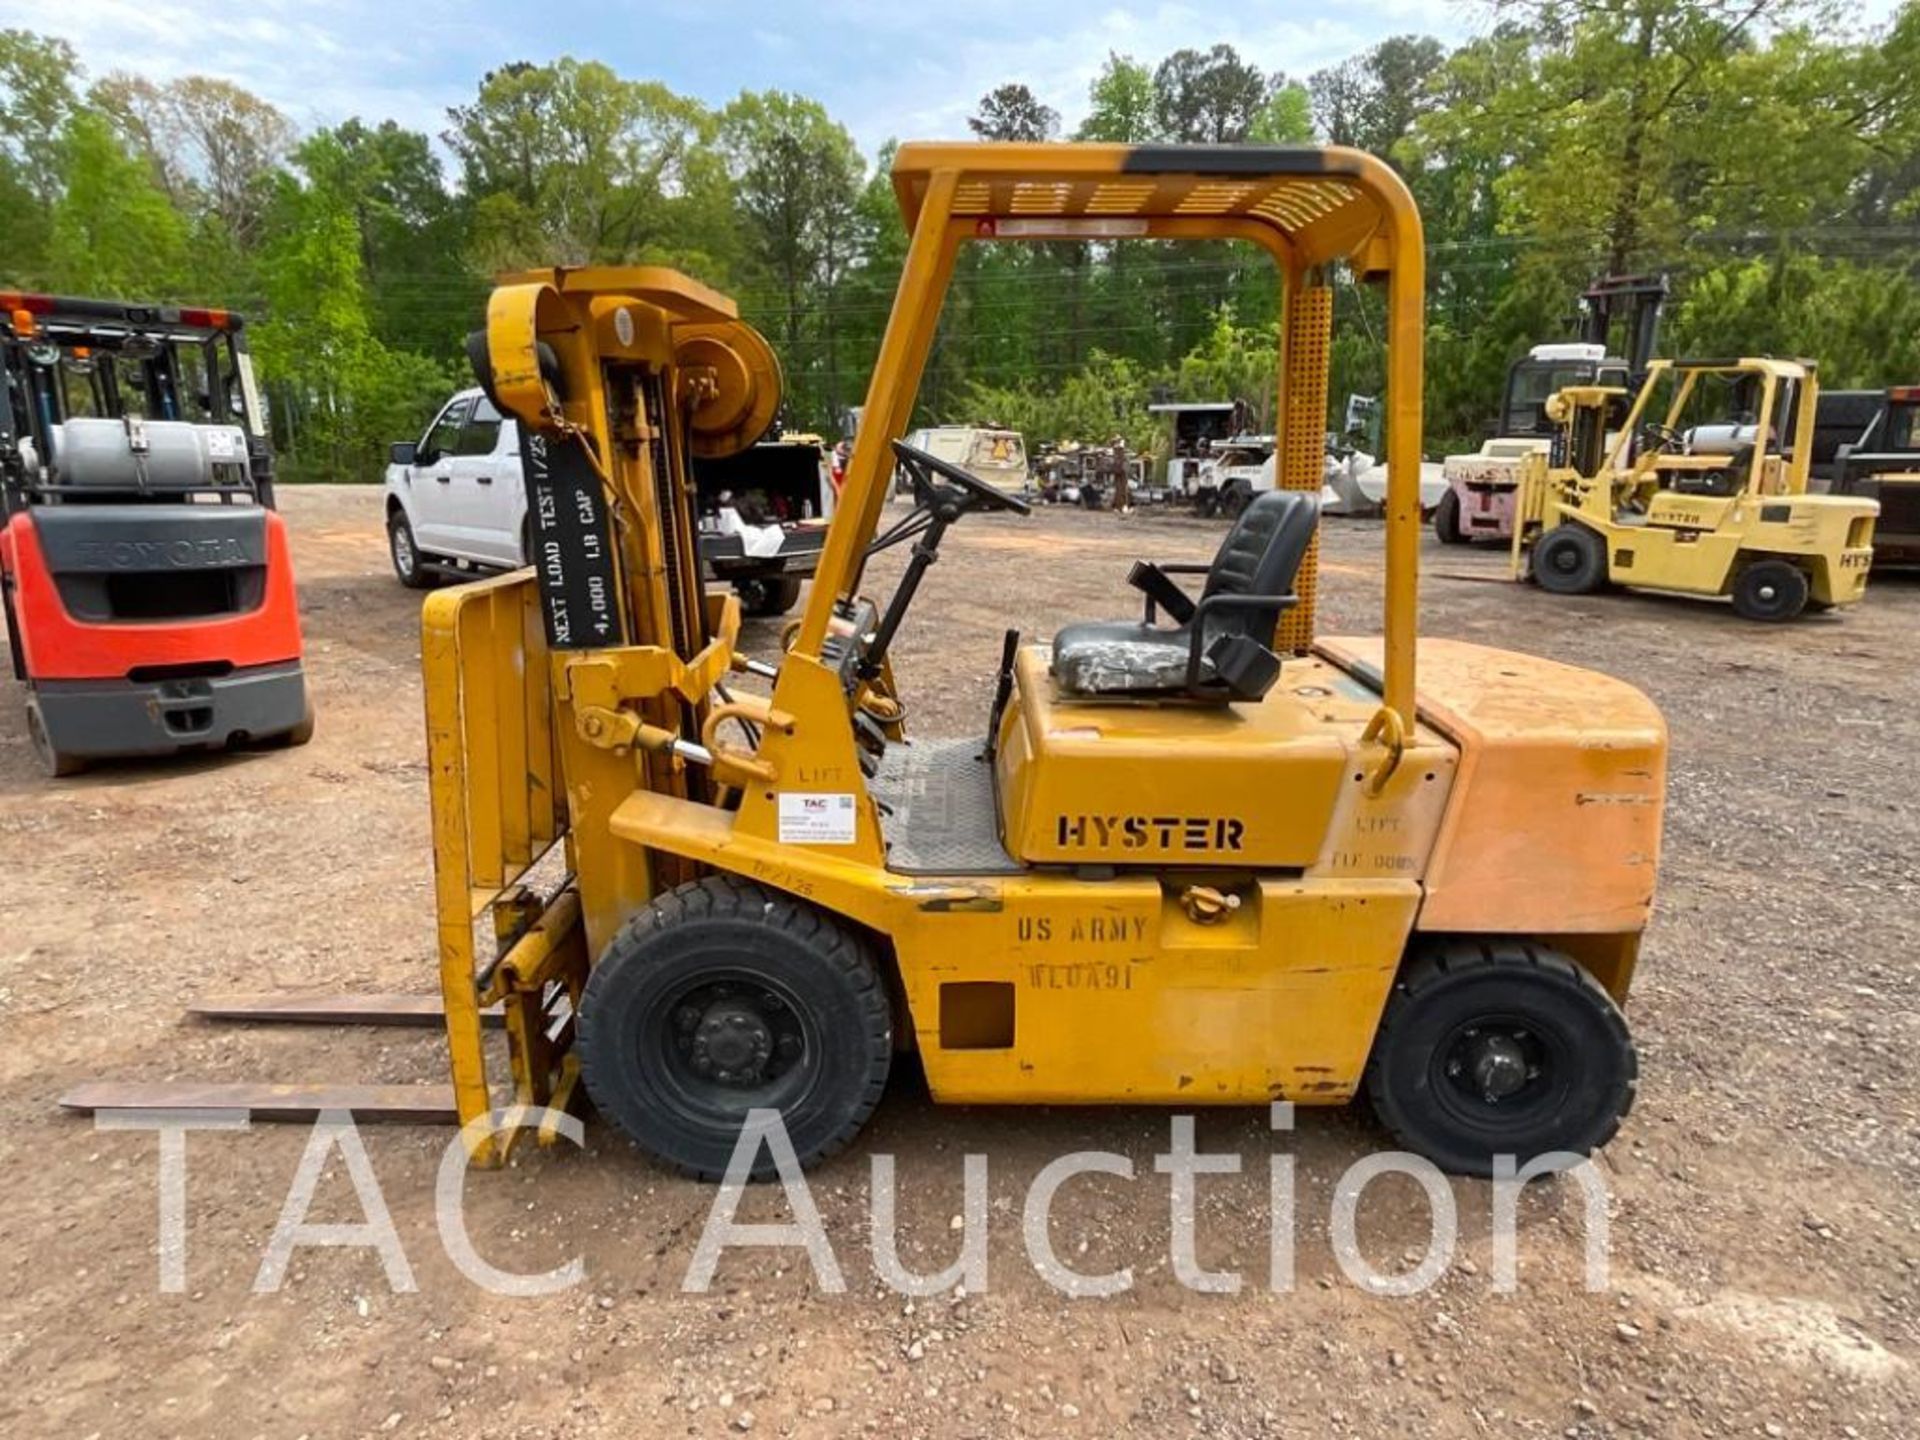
1770 590
723 997
767 595
406 554
1446 520
1500 1048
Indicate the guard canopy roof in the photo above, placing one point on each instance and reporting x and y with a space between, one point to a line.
1313 204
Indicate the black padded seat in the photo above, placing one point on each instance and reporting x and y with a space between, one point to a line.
1219 649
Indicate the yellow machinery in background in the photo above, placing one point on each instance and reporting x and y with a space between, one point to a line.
1695 502
1200 857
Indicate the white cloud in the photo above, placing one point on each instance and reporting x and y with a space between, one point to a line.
318 64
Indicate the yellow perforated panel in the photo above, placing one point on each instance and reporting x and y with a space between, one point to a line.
1310 325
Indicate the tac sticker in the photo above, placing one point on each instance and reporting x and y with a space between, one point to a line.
817 819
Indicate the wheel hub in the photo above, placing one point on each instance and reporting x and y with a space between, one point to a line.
1499 1069
732 1043
1493 1065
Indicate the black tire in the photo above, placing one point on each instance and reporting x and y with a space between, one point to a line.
1570 559
300 734
1446 520
55 764
405 554
767 595
1468 1020
791 1000
16 653
1235 498
1771 591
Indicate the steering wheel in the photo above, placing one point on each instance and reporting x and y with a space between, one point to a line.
921 467
1665 439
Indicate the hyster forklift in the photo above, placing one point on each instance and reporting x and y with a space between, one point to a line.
1198 856
1709 500
146 579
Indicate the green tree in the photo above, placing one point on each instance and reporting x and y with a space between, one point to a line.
113 232
796 176
1209 97
1372 100
412 232
1120 103
213 146
1013 112
569 163
1286 118
38 76
339 394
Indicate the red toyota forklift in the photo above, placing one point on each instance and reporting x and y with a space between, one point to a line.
147 581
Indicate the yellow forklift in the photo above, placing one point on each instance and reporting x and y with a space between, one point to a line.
1196 856
1711 499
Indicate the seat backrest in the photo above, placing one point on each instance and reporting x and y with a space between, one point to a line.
1261 556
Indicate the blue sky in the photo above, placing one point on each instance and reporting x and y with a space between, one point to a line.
908 68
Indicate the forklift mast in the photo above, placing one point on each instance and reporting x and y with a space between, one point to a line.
1632 301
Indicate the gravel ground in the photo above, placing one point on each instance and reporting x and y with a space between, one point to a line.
1765 1236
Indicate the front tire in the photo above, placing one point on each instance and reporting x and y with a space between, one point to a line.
1570 560
1771 591
405 553
723 996
1502 1048
1446 520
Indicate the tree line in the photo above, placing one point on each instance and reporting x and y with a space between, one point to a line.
1761 152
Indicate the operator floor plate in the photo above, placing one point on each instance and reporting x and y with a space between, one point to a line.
940 817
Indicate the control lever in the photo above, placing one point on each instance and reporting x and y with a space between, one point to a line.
1002 692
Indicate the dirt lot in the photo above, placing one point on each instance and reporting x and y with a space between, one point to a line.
1766 1238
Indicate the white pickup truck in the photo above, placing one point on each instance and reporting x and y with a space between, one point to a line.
457 506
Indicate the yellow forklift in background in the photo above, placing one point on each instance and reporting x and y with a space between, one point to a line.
1197 856
1711 499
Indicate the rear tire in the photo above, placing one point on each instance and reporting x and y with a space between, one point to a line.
55 764
405 554
1570 560
1771 591
1500 1048
768 595
723 996
1446 520
300 734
